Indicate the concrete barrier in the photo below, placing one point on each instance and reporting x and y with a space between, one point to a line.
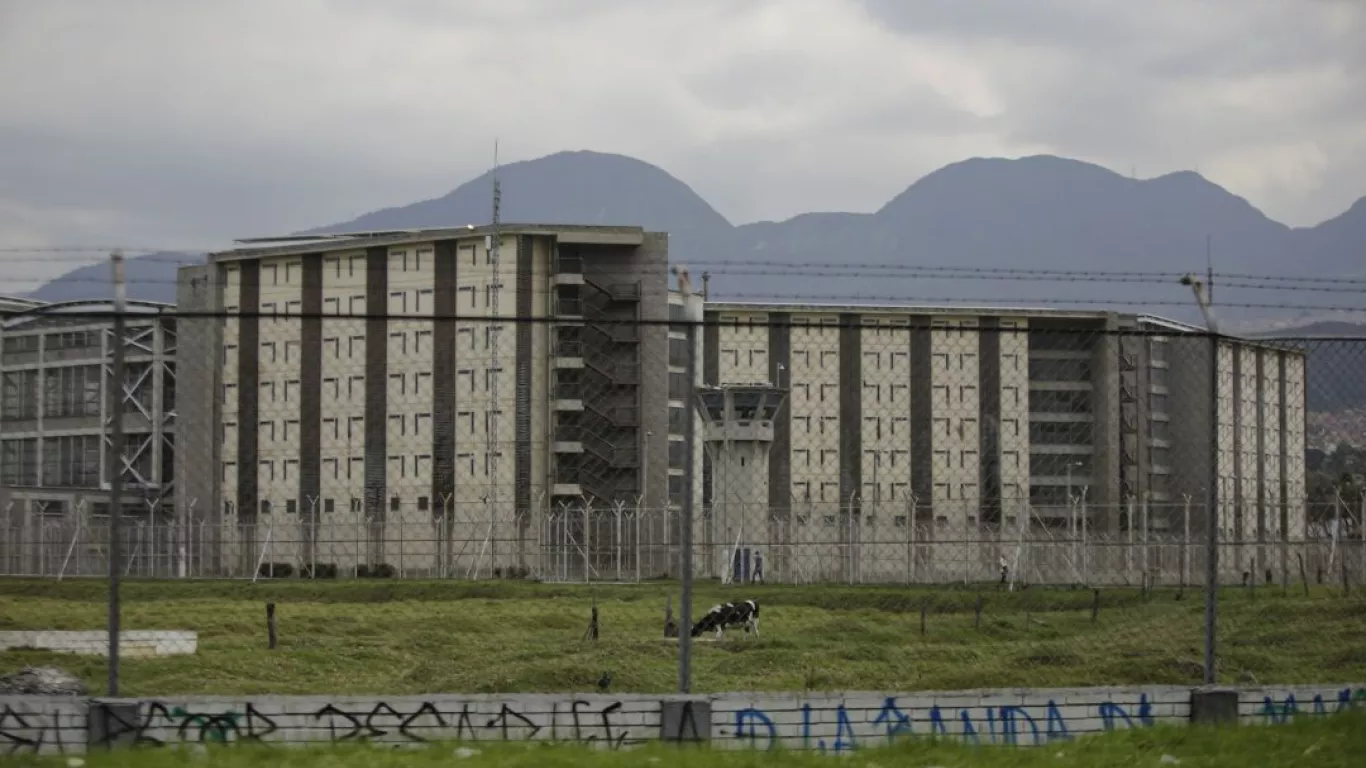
135 643
829 722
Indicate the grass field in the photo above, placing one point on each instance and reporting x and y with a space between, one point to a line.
1336 741
352 637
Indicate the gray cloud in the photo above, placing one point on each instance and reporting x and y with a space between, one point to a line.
166 123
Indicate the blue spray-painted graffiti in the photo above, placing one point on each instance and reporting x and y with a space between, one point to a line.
1111 714
1010 724
1288 708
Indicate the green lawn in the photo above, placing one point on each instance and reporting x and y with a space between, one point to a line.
1336 741
358 637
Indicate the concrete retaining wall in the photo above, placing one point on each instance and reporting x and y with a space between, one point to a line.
831 722
136 642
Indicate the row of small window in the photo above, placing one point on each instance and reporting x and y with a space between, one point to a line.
942 394
896 361
90 339
329 506
355 426
829 491
889 325
355 345
71 461
418 466
422 302
899 426
967 458
415 383
73 390
291 272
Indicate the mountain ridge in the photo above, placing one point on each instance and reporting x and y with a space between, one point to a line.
1039 212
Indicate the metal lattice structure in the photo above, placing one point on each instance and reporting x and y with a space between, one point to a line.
57 455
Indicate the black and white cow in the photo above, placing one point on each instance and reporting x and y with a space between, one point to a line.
727 615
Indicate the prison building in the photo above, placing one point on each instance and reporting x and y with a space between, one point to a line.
915 443
383 398
57 457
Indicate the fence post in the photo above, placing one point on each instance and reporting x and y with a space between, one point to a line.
640 513
587 540
1085 539
692 308
1186 541
1212 514
1147 569
116 473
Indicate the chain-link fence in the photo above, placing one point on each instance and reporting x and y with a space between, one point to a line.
805 549
395 422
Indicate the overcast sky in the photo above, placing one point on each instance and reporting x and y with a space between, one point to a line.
185 123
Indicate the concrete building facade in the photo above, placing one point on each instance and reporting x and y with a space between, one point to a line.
375 399
57 398
945 429
382 398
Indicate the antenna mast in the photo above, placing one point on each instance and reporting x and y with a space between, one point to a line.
495 337
1209 268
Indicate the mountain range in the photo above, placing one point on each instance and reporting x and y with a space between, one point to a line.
979 231
968 232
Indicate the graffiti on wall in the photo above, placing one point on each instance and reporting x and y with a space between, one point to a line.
854 727
602 722
832 723
1273 712
26 729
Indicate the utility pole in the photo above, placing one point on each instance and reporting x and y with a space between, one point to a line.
495 330
1211 482
117 382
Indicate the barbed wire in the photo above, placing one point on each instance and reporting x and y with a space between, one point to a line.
865 269
857 298
926 311
739 266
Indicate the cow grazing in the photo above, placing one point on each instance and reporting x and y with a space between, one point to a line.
721 617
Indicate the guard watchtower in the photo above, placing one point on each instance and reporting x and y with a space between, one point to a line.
737 422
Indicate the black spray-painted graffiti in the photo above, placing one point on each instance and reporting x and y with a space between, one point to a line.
29 732
576 720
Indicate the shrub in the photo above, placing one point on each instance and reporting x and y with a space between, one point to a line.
275 570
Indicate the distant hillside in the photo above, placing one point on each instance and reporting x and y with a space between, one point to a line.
1336 367
1033 213
150 277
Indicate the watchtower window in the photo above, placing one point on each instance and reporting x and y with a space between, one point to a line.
715 405
746 405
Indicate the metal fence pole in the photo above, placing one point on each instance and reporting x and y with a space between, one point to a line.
686 534
116 473
1212 515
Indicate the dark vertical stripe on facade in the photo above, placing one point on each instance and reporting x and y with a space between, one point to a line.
780 373
376 382
1238 447
711 351
851 407
989 435
443 374
1262 419
525 340
1282 423
310 383
711 374
248 392
922 425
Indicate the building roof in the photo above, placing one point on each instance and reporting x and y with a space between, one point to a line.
18 303
284 245
903 309
100 309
